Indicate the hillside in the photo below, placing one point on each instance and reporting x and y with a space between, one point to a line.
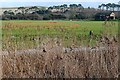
13 9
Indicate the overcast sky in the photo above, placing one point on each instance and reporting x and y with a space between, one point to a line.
59 0
85 3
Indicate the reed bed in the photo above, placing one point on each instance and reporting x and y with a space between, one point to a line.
44 53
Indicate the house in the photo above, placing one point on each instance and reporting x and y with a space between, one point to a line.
112 16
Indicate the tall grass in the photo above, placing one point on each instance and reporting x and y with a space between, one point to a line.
47 50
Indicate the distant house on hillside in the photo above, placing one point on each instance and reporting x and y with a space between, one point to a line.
112 16
106 16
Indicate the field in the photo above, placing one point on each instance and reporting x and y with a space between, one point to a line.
57 49
33 33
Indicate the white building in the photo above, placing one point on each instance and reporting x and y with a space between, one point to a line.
112 15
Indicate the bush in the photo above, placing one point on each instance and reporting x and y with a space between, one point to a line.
101 16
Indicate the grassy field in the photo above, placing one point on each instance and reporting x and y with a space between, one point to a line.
33 33
59 49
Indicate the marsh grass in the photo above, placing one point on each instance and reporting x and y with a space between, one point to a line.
55 62
27 34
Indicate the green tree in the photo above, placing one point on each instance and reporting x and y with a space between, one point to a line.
80 6
50 8
99 7
73 6
22 9
8 13
65 5
33 9
109 5
118 7
103 6
113 6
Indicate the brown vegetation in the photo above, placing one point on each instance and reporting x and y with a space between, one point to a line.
56 63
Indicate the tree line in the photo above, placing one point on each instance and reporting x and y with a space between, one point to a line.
110 6
60 12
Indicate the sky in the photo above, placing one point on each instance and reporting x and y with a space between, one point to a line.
47 3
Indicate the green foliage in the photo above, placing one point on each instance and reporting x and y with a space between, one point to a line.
101 16
61 12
